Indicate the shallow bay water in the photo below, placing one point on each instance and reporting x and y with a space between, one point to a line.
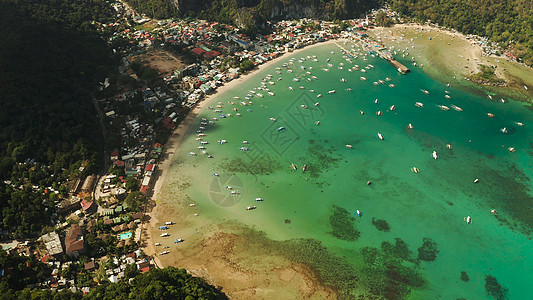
411 239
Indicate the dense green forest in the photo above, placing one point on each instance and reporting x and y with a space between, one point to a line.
168 283
254 13
506 21
51 59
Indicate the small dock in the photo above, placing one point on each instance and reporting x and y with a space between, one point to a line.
400 67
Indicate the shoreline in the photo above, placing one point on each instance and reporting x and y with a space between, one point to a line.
211 255
177 137
451 55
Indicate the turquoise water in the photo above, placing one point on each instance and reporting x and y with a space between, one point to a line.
430 204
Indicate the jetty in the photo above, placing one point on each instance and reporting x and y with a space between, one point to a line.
388 56
399 66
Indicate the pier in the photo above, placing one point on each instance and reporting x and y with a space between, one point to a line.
399 66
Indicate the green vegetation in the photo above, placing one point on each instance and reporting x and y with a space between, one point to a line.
381 19
20 271
388 276
167 283
381 224
428 251
399 250
51 59
252 15
342 224
494 289
501 21
464 276
486 76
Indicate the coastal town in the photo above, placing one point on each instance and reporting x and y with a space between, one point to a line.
167 67
101 219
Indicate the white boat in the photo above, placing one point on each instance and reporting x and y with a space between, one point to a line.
363 78
525 87
343 80
349 146
392 108
511 149
165 234
164 252
319 95
192 153
415 170
447 96
380 136
419 104
294 166
245 142
425 92
271 93
304 168
331 92
410 126
391 85
379 113
519 124
251 207
303 106
476 180
435 155
361 112
443 107
244 148
272 119
376 101
157 244
317 104
258 199
290 88
222 142
468 220
504 130
457 108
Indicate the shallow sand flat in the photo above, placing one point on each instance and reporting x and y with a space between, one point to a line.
451 54
292 228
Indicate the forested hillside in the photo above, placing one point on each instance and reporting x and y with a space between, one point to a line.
254 13
50 60
500 20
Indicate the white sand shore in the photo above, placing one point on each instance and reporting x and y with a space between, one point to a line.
177 137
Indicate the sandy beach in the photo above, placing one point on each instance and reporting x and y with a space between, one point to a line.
215 256
450 55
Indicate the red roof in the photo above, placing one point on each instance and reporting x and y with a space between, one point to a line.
114 153
149 167
118 163
212 54
86 204
198 51
157 145
144 189
45 258
146 269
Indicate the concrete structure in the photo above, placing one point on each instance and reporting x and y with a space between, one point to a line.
53 244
